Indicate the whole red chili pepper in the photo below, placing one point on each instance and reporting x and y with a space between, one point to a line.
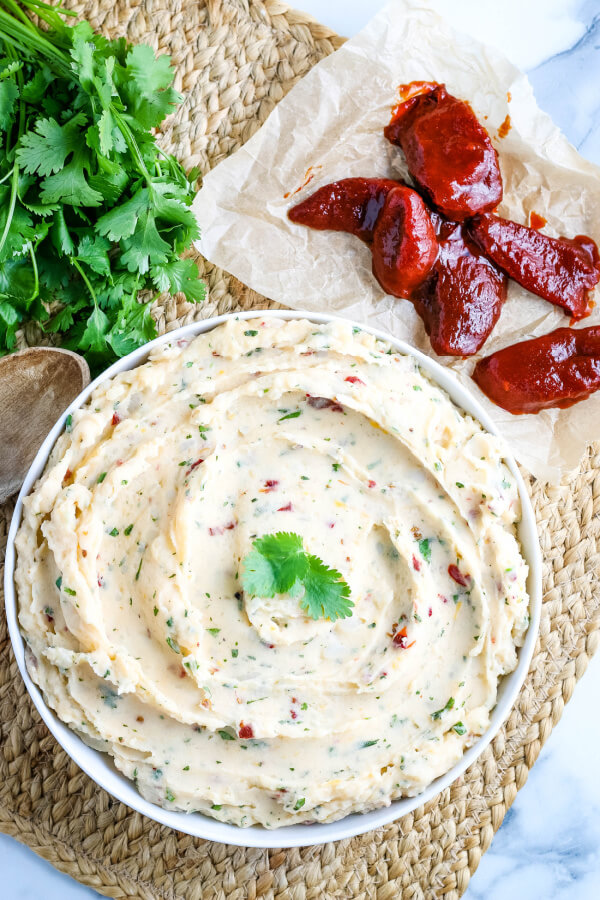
404 243
462 298
561 270
352 205
555 370
448 153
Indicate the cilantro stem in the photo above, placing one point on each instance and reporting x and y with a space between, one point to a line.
11 206
86 280
27 38
131 143
36 287
8 174
14 185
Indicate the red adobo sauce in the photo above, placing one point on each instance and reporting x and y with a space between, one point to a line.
442 247
561 270
554 370
404 243
462 298
352 205
448 153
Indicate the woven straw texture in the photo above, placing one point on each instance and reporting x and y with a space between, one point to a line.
235 59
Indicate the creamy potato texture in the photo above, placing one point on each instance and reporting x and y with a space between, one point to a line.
129 556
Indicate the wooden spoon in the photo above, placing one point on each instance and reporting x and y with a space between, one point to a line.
36 386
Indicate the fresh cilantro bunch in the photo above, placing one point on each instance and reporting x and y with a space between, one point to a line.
91 210
279 565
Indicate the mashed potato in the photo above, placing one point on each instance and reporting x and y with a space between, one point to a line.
130 600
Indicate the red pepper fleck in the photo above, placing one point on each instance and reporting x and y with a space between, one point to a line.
270 485
230 526
194 466
245 731
430 612
442 598
286 508
353 379
100 581
294 700
455 573
331 524
416 564
372 483
324 403
293 714
115 420
400 639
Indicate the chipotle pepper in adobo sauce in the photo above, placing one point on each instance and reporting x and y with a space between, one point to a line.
352 205
404 243
554 370
448 153
561 270
462 298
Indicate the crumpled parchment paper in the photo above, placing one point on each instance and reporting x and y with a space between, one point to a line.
330 126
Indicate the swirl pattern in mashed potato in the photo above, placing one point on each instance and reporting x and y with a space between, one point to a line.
130 601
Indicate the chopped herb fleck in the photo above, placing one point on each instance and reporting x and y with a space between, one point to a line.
438 713
173 645
425 549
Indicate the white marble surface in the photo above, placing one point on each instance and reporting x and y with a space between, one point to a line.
549 844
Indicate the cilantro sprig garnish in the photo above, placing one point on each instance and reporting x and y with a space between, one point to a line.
92 212
278 564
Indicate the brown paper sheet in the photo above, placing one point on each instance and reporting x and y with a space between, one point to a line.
330 126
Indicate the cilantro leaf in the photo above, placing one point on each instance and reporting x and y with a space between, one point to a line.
258 577
120 222
94 252
179 275
83 181
325 594
46 149
93 338
69 186
278 564
145 246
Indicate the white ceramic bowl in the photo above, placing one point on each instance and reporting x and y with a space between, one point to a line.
99 766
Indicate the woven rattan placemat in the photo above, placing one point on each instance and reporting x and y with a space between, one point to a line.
235 59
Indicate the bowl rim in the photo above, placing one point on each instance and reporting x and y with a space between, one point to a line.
99 765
